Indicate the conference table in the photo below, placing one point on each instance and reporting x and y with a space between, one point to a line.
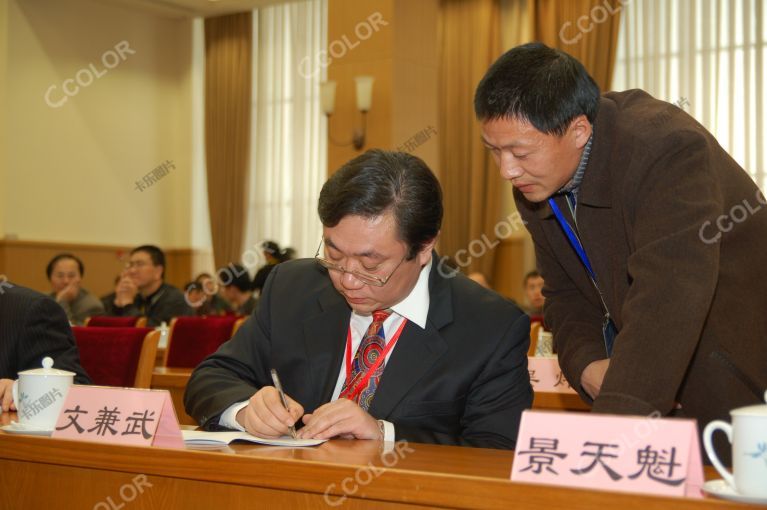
175 379
45 473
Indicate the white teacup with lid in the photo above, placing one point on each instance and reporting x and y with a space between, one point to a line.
748 435
39 394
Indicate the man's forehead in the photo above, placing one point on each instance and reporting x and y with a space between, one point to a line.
515 131
362 237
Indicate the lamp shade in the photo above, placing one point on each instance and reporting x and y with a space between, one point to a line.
364 92
328 96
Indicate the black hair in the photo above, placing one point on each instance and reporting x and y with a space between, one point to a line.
62 256
155 253
201 276
271 248
235 275
193 286
531 274
287 254
544 86
379 180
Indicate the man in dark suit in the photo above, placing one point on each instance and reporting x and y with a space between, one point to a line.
33 326
672 226
371 341
142 291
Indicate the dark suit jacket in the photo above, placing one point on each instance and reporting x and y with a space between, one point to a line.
166 303
689 299
463 380
33 326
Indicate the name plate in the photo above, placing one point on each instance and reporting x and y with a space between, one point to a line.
545 375
127 416
647 455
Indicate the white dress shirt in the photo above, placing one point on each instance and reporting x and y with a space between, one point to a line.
415 308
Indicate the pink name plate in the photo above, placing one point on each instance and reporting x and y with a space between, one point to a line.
127 416
545 375
647 455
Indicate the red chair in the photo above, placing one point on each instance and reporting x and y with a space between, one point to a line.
192 339
118 356
106 321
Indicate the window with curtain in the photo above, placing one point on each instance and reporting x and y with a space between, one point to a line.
288 150
708 57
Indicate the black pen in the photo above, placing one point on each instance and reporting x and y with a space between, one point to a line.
277 385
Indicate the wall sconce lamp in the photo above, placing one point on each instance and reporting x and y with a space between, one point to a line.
364 97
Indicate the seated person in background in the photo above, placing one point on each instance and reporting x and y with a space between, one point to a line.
480 279
238 290
288 254
142 290
214 304
33 326
65 272
533 284
438 360
195 298
273 255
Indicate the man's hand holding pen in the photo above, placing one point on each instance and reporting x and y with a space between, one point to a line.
266 416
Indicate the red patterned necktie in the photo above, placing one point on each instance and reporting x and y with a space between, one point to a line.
368 352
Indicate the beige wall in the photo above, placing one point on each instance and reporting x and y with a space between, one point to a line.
70 171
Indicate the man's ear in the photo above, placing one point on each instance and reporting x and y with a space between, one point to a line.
580 129
424 256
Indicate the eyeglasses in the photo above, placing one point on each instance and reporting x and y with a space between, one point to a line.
367 279
136 263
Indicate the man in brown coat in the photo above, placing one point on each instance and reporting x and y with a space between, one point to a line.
674 230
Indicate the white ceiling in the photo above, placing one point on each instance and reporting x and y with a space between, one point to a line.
192 8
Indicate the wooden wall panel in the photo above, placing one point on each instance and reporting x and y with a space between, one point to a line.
510 268
24 262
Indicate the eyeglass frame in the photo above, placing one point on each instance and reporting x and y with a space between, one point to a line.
138 264
365 278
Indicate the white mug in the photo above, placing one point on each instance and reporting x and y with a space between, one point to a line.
748 435
39 395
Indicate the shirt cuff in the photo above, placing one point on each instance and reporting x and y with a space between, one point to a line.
228 418
388 430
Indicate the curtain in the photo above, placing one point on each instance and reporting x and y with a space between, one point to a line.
469 43
227 129
586 29
709 58
289 161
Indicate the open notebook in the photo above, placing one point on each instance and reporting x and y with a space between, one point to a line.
201 438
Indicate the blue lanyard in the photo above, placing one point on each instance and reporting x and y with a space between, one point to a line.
574 241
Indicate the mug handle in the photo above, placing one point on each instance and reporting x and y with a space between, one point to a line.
708 433
15 392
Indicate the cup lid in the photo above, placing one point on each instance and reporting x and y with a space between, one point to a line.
755 410
47 369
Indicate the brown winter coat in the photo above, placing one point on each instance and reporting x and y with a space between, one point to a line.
677 234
